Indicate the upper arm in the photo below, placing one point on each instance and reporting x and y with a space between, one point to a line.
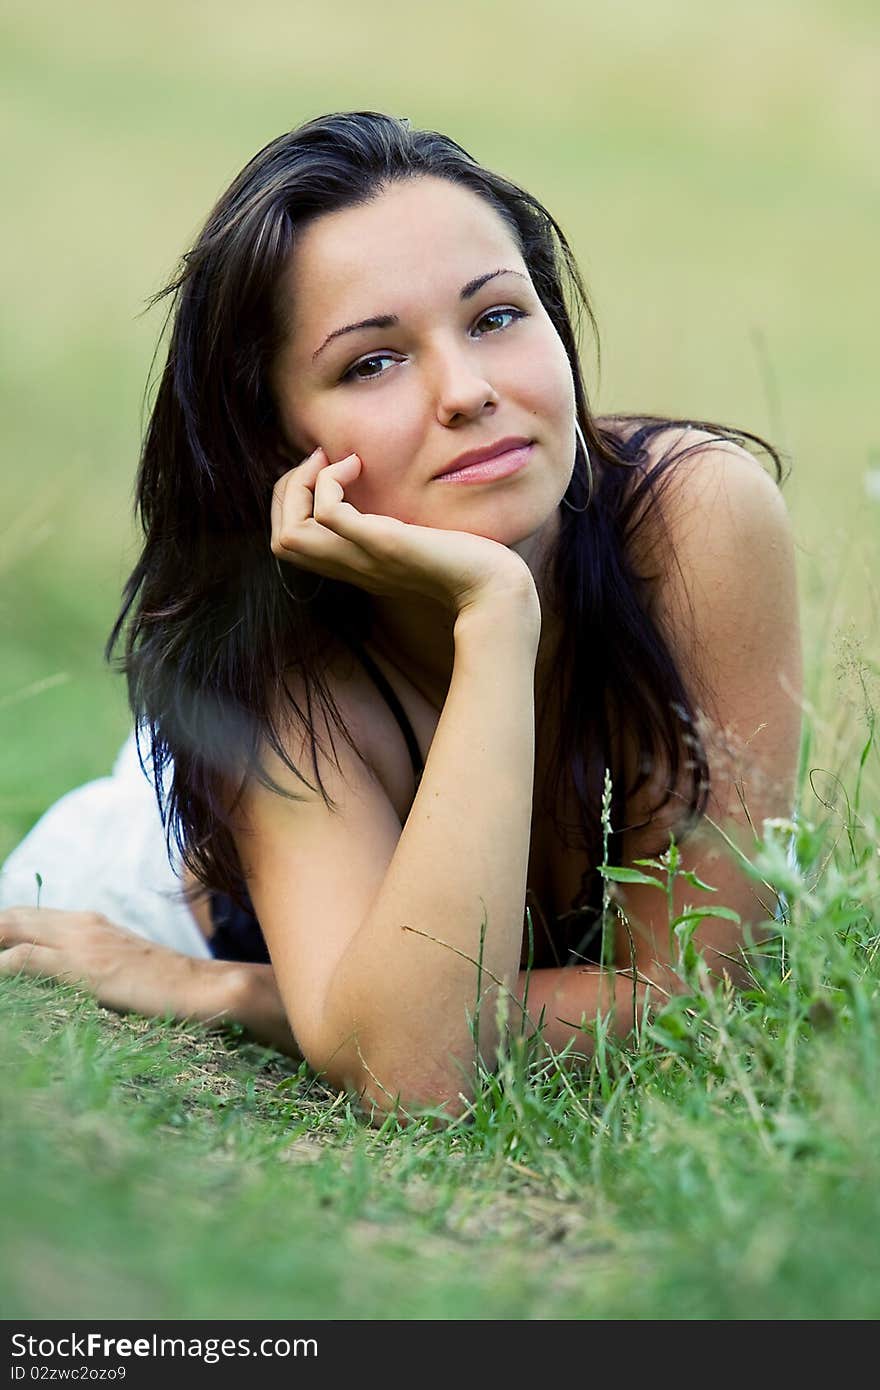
313 873
727 604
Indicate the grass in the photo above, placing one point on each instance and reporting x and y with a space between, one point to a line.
715 174
722 1163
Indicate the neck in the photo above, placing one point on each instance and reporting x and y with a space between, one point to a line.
417 634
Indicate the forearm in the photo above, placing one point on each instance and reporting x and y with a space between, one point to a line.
253 1001
408 979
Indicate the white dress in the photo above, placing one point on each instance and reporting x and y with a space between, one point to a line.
101 848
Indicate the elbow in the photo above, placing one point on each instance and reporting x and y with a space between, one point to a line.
386 1066
437 1103
403 1087
397 1069
447 1093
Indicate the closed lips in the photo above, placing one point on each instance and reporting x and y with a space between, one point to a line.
491 451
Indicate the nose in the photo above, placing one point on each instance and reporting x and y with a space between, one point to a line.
461 389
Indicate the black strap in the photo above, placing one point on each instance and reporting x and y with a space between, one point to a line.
396 709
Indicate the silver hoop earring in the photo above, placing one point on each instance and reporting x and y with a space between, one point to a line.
290 593
583 443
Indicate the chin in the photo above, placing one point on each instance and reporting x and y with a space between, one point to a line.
535 522
503 516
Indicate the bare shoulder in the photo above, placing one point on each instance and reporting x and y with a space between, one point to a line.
357 720
721 555
707 468
717 505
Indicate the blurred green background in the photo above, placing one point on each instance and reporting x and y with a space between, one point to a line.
714 168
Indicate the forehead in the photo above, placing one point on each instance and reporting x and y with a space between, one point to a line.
354 259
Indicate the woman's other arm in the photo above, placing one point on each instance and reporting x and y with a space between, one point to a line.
728 602
130 974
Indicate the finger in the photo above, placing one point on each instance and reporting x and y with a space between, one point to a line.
292 494
293 497
329 504
28 958
309 467
30 924
308 527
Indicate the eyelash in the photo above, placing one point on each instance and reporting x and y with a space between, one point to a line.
348 375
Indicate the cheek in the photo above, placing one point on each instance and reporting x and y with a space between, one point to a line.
549 386
561 382
344 426
387 442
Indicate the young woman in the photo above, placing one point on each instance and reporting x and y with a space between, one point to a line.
402 600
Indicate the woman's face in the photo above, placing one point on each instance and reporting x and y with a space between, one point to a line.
452 373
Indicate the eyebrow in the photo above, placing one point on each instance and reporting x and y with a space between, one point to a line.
391 320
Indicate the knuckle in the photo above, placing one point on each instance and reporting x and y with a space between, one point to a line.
283 542
389 536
